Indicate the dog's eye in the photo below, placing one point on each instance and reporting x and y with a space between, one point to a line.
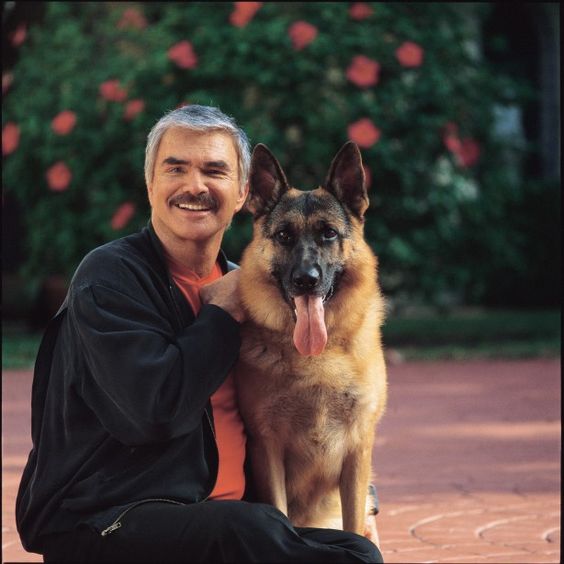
284 236
329 234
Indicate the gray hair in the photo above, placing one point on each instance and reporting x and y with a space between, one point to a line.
199 118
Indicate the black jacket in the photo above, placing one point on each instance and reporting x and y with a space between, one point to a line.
120 401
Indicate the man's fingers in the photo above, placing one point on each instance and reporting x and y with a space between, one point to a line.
225 294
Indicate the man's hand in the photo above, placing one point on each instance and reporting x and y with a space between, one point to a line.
225 294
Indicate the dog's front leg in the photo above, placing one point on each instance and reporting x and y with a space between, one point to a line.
353 486
269 474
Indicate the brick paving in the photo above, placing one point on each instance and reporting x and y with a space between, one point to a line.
467 462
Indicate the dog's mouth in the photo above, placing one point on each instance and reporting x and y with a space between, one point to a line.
310 332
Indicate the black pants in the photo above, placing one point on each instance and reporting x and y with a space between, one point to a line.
214 531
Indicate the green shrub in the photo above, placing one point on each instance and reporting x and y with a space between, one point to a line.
423 117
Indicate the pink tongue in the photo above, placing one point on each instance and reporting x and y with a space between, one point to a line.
310 333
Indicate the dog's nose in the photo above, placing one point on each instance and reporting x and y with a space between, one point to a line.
306 278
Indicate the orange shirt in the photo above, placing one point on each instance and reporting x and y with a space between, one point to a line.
229 431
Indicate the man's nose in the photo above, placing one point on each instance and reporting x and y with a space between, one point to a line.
194 182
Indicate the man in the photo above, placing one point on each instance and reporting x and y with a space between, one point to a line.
138 447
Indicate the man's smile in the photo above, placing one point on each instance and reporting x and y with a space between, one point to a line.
194 207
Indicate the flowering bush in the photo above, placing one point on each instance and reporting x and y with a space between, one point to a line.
400 79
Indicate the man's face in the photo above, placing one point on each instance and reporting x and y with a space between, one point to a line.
195 188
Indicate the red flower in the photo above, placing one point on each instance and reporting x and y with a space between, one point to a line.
364 133
244 13
10 138
360 11
18 37
466 151
367 176
64 122
122 215
132 108
58 177
409 54
112 91
469 153
302 34
363 71
7 79
182 53
450 137
132 17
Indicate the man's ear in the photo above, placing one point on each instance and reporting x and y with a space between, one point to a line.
345 179
241 200
267 182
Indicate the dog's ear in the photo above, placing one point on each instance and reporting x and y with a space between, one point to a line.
345 179
267 182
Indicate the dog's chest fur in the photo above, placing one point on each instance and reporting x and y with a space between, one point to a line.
284 398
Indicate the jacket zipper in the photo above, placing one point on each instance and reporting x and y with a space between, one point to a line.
176 308
215 440
179 317
117 523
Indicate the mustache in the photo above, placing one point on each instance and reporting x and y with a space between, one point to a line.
205 200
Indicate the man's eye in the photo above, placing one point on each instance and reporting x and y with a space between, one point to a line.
176 170
284 237
213 172
329 234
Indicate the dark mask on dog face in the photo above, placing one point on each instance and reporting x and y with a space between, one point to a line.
308 230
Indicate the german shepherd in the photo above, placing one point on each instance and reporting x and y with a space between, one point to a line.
311 375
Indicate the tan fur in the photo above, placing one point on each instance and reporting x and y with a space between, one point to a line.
311 419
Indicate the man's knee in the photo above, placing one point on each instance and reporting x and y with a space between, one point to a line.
368 548
243 515
357 547
240 524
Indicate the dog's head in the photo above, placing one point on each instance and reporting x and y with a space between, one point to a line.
306 235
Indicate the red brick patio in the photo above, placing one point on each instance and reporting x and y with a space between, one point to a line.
467 462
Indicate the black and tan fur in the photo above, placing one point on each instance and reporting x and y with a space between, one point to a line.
311 418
